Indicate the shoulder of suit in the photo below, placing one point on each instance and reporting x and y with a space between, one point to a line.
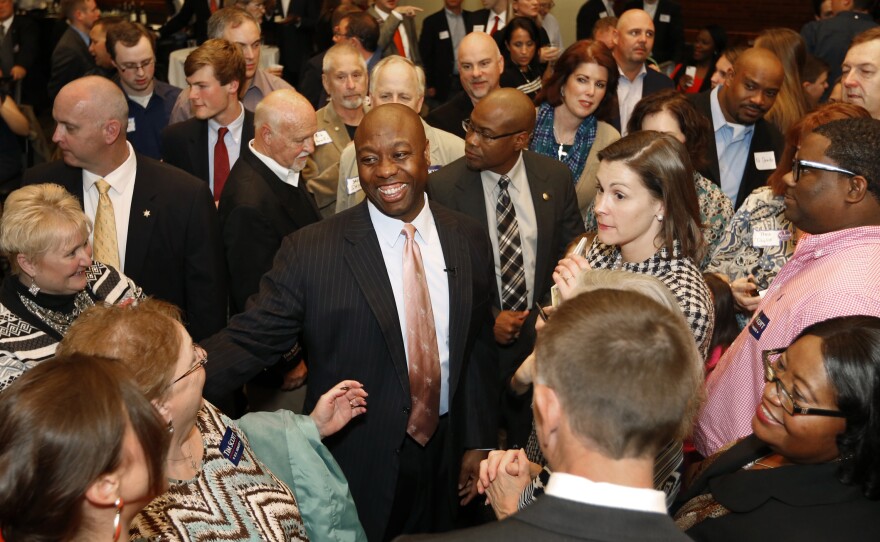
166 175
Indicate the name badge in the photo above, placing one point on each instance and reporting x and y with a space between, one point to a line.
444 35
603 14
231 446
432 169
322 138
765 160
353 184
664 18
479 28
768 238
759 325
279 19
130 124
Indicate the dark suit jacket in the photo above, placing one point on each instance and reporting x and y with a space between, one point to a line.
654 82
551 518
448 116
329 286
201 9
437 53
559 221
70 60
587 16
766 138
296 40
668 33
25 36
174 250
257 211
310 83
185 144
829 39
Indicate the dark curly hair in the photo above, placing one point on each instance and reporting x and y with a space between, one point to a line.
854 144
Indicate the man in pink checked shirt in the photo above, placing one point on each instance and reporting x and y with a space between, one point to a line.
833 195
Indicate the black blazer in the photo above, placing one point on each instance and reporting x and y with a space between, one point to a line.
437 53
559 221
174 250
185 144
668 32
766 138
448 116
201 9
70 60
257 211
329 286
551 518
587 16
25 38
654 82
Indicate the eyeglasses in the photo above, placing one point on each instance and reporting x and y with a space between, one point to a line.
201 360
468 127
797 166
772 371
136 67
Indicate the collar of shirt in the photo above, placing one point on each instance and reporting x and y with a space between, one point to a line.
7 24
583 490
609 7
519 182
502 18
825 244
388 228
83 35
651 9
642 73
286 175
453 14
234 126
719 121
385 15
119 178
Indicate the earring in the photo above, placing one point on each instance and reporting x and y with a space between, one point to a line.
659 218
170 427
562 92
117 520
33 289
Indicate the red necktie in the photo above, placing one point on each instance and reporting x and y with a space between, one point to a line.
421 344
221 163
213 6
495 25
398 42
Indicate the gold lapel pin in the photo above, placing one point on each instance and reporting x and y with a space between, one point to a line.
147 212
546 196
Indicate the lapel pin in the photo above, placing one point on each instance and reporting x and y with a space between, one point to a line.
546 196
147 212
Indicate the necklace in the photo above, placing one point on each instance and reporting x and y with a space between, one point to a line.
57 320
187 456
757 462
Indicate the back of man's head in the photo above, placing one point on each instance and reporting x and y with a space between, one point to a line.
624 369
68 7
853 145
231 17
365 29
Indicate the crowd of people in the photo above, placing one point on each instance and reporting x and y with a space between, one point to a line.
618 289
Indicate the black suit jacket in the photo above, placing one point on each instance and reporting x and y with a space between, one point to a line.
654 82
25 37
559 221
70 60
330 287
587 16
185 144
257 211
551 518
437 53
174 250
766 138
668 29
448 116
310 83
201 9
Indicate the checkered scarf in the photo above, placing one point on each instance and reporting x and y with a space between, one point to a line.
544 142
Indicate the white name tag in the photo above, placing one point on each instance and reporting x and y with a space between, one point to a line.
322 138
767 238
353 184
664 18
278 18
130 124
765 160
603 14
479 28
444 35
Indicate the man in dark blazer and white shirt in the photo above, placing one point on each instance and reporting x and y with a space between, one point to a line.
438 45
547 214
669 39
166 225
751 145
336 286
599 427
215 72
71 57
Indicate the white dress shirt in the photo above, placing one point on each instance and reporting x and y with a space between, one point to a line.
628 95
391 241
287 175
121 181
585 491
527 221
232 140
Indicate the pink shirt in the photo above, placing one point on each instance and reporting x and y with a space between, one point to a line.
829 275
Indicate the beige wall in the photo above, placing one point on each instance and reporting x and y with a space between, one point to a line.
565 11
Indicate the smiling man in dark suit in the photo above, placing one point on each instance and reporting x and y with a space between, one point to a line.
166 232
545 213
340 287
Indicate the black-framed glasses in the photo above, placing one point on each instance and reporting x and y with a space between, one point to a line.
772 370
135 66
201 360
799 165
468 127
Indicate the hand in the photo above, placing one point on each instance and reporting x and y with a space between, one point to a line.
685 82
338 406
524 376
566 272
431 92
744 293
549 54
17 73
408 11
470 474
503 477
276 70
295 377
508 324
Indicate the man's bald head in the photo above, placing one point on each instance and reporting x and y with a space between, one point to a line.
634 39
285 125
500 126
479 65
283 106
514 109
98 95
752 89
